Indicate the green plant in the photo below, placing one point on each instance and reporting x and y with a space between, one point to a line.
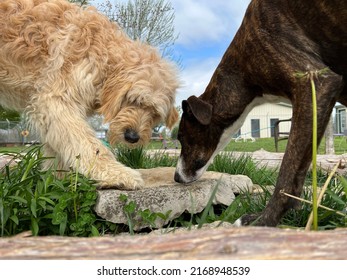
310 76
245 165
133 158
174 133
208 211
138 158
159 159
334 199
35 199
136 216
314 153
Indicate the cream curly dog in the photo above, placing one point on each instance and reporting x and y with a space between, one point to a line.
60 63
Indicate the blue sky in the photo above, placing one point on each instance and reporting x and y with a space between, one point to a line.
205 28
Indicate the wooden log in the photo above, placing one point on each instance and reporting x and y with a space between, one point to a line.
220 243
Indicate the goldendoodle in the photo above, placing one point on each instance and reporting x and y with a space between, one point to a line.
60 63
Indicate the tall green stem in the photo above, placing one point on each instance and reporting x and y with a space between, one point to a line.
314 153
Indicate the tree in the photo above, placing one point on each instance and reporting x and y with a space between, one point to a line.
9 115
81 2
150 21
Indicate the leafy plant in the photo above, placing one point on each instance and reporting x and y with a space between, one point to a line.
139 217
35 199
334 198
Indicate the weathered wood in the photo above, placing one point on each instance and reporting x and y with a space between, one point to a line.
221 243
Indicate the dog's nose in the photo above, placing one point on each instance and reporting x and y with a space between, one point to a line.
131 136
178 178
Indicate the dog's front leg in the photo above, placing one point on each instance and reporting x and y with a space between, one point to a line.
298 154
75 145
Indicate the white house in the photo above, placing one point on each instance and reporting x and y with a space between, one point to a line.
261 120
340 119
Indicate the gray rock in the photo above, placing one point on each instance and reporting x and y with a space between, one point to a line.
171 199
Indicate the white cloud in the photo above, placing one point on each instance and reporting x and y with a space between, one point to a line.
195 78
202 23
207 21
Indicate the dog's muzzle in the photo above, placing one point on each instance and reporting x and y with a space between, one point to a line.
131 136
178 178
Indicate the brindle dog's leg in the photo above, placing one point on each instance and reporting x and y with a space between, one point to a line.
298 154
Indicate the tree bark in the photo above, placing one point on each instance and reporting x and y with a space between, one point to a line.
220 243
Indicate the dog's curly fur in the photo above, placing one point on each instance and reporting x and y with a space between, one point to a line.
60 63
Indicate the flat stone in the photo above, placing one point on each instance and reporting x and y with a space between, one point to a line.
162 195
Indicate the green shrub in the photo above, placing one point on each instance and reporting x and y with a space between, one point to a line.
33 199
244 165
36 200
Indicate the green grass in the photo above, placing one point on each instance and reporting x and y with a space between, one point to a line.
138 158
36 200
244 165
247 203
14 149
268 144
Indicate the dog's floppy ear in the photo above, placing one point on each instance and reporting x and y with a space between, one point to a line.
112 99
200 109
171 118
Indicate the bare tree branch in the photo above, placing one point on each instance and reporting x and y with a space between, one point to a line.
150 21
81 2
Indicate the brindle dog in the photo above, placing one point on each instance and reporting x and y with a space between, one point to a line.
280 44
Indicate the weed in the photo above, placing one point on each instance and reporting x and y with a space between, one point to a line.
138 217
244 165
138 158
36 200
310 76
133 158
31 198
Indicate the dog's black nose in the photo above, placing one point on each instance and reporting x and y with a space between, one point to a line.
131 136
178 178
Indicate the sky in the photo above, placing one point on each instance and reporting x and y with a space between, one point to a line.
205 29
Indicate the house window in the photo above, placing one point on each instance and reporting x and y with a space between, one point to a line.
341 121
255 128
272 125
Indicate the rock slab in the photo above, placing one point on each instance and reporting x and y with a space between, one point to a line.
167 199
